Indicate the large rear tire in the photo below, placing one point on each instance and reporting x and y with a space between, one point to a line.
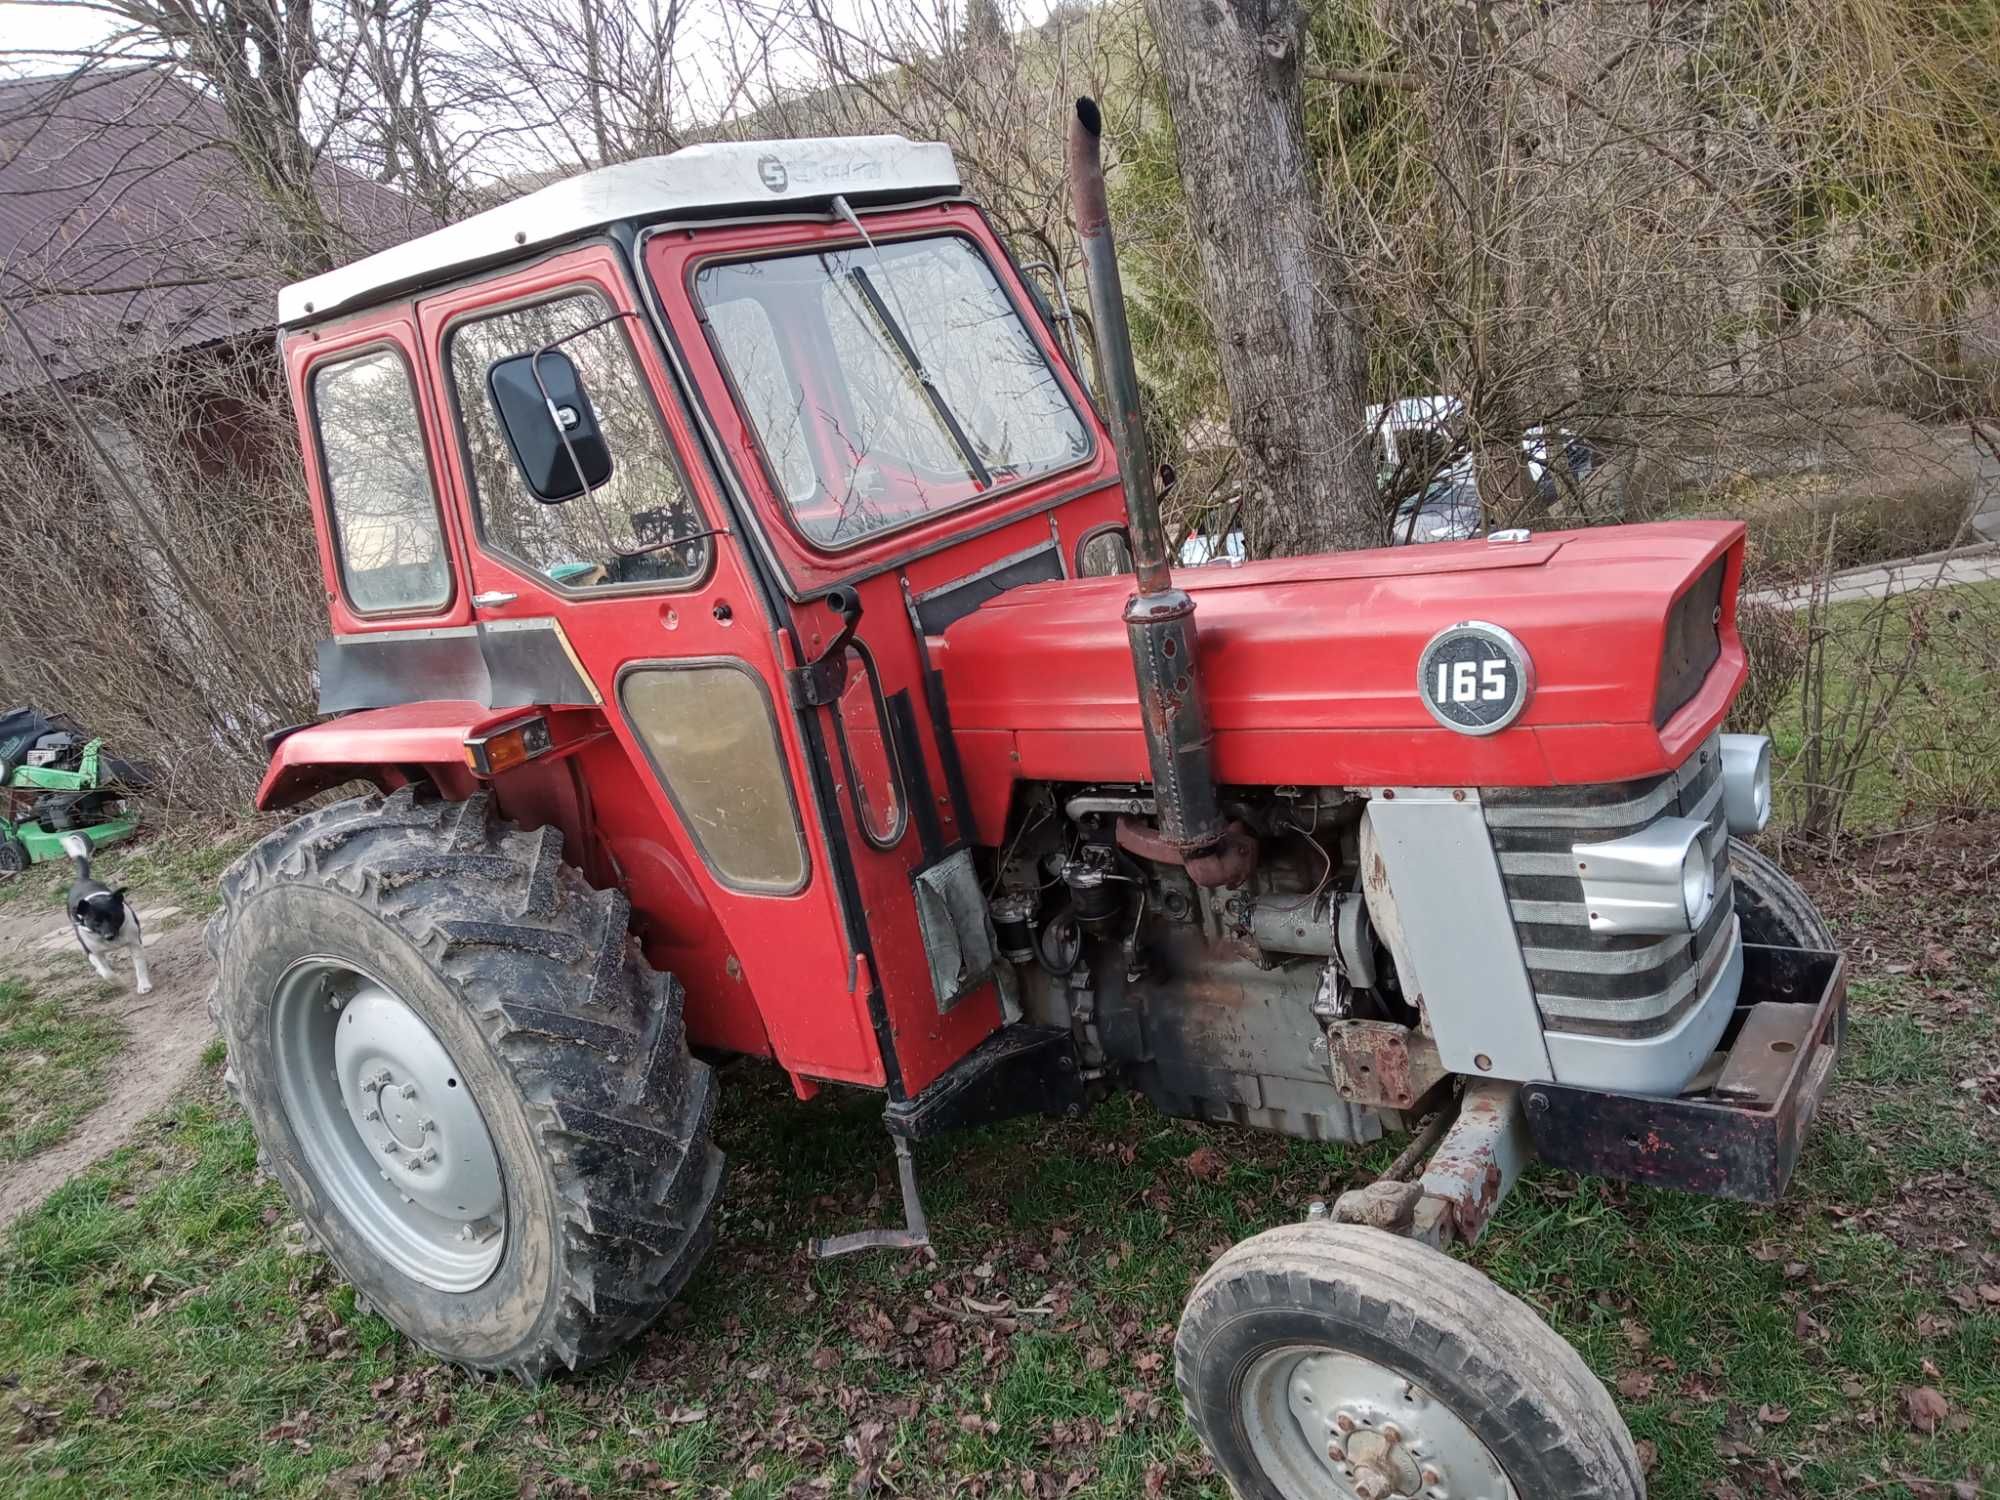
473 1089
1323 1360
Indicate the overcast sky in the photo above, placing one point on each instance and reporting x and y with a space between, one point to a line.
50 28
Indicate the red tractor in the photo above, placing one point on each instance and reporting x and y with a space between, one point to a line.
761 645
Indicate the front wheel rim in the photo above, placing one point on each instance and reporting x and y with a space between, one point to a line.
388 1124
1324 1422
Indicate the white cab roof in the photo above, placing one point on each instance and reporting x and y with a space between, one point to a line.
720 178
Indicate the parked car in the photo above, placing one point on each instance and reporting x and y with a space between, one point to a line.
1447 511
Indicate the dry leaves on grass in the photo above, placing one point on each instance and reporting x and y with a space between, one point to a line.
1205 1164
1925 1406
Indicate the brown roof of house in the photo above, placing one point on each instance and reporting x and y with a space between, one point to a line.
128 227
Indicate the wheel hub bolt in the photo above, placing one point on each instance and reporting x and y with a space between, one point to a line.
390 1148
427 1125
373 1114
409 1091
1344 1422
1391 1433
1431 1475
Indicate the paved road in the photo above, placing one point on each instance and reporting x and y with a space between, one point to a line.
1970 566
1986 492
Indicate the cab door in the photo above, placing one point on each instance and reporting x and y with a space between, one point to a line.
906 436
641 584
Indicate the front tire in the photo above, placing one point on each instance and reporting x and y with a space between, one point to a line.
475 1092
1772 907
1327 1359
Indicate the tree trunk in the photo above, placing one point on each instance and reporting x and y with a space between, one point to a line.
1290 336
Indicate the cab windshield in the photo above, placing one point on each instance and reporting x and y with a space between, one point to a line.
886 384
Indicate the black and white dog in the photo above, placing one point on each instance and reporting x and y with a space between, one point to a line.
101 920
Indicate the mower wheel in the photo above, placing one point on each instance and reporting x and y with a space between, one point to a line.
1327 1359
473 1089
1770 905
13 855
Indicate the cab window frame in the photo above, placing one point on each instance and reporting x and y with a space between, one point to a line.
1031 324
475 511
309 382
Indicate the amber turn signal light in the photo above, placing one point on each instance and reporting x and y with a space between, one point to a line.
504 749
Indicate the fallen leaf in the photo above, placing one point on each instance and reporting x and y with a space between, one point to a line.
1206 1164
1635 1385
1772 1415
1925 1407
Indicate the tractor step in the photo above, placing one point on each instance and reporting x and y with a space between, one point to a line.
914 1235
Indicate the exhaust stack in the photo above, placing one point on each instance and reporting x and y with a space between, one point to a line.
1159 618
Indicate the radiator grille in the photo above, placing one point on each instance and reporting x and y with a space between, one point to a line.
1584 981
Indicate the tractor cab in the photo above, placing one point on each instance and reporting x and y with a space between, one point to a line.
693 461
760 643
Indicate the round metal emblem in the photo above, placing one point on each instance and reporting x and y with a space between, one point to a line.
771 172
1475 677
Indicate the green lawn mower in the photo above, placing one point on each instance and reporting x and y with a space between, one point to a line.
56 781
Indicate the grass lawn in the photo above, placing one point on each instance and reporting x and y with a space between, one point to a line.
54 1044
176 866
163 1331
1939 744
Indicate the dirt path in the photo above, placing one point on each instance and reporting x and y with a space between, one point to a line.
167 1032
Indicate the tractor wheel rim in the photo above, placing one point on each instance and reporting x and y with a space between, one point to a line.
1324 1422
388 1124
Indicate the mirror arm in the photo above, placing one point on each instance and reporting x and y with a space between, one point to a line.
820 680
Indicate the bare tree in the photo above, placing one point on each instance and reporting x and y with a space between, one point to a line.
1290 332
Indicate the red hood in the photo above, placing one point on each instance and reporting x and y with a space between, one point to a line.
1309 664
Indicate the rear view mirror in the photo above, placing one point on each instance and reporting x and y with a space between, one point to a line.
555 437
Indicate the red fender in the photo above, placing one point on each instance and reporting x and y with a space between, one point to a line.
390 747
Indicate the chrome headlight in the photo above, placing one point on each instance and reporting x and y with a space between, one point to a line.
1697 883
1746 782
1658 880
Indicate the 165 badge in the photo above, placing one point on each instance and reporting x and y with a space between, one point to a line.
1475 677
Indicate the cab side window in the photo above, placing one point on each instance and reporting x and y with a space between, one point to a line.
384 509
627 530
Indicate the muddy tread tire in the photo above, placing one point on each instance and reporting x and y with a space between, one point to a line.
1771 905
601 1116
1432 1319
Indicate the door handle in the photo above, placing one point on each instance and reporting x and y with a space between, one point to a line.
492 597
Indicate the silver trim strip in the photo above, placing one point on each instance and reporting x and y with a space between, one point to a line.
1655 1064
1640 809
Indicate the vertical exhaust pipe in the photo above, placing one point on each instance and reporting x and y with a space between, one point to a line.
1159 618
